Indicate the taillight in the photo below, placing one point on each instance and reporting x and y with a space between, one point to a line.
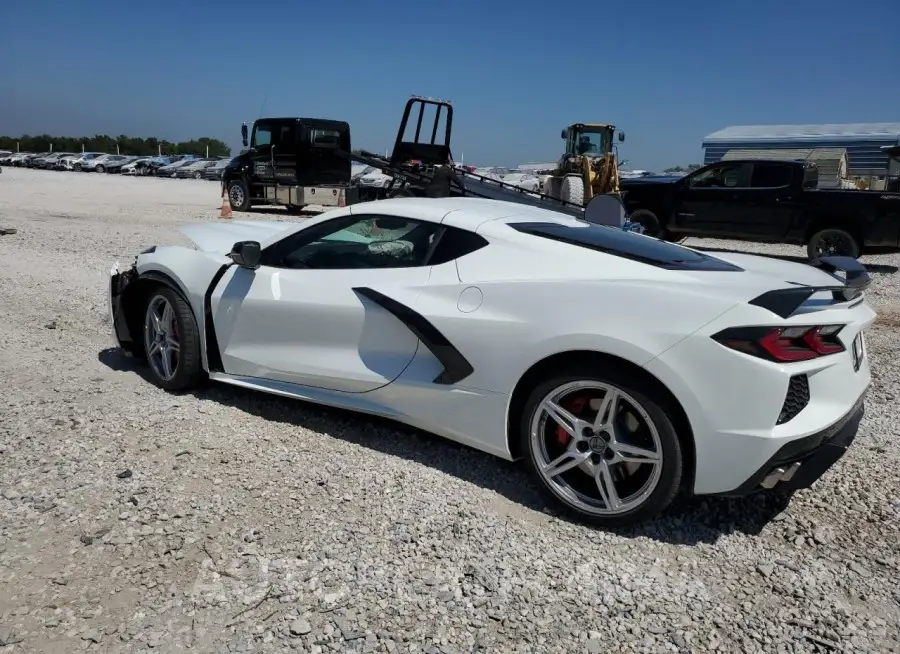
783 344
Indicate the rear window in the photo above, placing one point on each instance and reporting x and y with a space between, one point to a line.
627 245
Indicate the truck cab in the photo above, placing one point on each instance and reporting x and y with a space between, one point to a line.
291 162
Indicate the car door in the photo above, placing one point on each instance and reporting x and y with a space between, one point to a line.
261 151
708 201
771 205
305 316
284 152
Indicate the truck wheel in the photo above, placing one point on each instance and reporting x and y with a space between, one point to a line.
572 190
551 188
648 221
238 195
832 242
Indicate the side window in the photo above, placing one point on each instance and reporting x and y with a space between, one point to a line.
324 138
356 242
285 138
455 243
726 175
766 175
262 135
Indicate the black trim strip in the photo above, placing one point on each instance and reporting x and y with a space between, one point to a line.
213 354
456 366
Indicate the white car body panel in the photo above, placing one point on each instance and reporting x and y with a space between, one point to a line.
305 333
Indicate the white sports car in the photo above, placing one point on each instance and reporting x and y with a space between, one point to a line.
619 367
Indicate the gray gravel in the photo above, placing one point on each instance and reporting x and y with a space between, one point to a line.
229 521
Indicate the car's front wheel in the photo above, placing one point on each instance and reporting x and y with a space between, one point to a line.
172 341
602 445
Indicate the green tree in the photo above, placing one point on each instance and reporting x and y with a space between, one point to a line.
129 145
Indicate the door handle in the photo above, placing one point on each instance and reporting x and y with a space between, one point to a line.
783 199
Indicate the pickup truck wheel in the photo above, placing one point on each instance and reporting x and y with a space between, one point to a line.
832 242
238 196
648 220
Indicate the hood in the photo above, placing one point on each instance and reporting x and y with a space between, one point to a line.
219 238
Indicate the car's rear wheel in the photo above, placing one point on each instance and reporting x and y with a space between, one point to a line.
100 169
832 242
172 341
602 445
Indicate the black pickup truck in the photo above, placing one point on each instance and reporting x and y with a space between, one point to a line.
765 201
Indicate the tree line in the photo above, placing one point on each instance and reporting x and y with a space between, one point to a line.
129 145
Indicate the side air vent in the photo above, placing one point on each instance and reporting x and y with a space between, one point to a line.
796 400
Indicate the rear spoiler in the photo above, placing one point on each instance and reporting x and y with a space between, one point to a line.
783 302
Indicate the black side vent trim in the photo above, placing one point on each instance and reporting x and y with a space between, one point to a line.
796 399
213 354
456 366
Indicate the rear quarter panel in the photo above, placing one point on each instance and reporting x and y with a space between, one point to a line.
578 301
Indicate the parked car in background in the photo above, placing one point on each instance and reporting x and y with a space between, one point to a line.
116 165
51 160
214 172
525 181
75 162
144 165
195 169
767 201
100 164
32 161
171 169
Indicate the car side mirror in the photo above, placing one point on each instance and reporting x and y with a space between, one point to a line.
621 137
563 134
244 134
246 254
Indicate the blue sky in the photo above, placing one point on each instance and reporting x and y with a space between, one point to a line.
666 72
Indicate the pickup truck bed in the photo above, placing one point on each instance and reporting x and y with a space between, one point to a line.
766 201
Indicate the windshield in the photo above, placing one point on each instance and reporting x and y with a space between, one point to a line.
590 143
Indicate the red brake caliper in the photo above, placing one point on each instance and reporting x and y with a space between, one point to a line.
575 406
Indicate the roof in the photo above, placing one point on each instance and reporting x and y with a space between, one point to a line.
849 132
787 154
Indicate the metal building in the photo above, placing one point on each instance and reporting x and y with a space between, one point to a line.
862 146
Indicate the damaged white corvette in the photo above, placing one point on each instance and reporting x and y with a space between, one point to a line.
621 369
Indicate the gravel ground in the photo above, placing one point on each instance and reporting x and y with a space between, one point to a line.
229 521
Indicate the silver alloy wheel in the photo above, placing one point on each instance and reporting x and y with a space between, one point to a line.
604 458
236 195
161 338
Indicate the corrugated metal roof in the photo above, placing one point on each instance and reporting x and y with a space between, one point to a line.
851 131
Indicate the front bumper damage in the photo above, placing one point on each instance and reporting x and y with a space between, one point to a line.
118 281
800 463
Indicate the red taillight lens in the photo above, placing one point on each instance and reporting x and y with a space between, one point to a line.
783 344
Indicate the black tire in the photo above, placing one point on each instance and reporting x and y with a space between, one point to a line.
238 195
100 169
198 175
649 221
652 402
188 371
832 241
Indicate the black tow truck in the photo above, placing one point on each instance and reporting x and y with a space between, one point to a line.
296 162
769 201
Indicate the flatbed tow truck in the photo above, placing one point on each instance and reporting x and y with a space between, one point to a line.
296 162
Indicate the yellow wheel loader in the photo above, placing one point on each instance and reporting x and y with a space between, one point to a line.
588 168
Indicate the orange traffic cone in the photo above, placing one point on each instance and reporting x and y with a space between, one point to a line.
226 206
